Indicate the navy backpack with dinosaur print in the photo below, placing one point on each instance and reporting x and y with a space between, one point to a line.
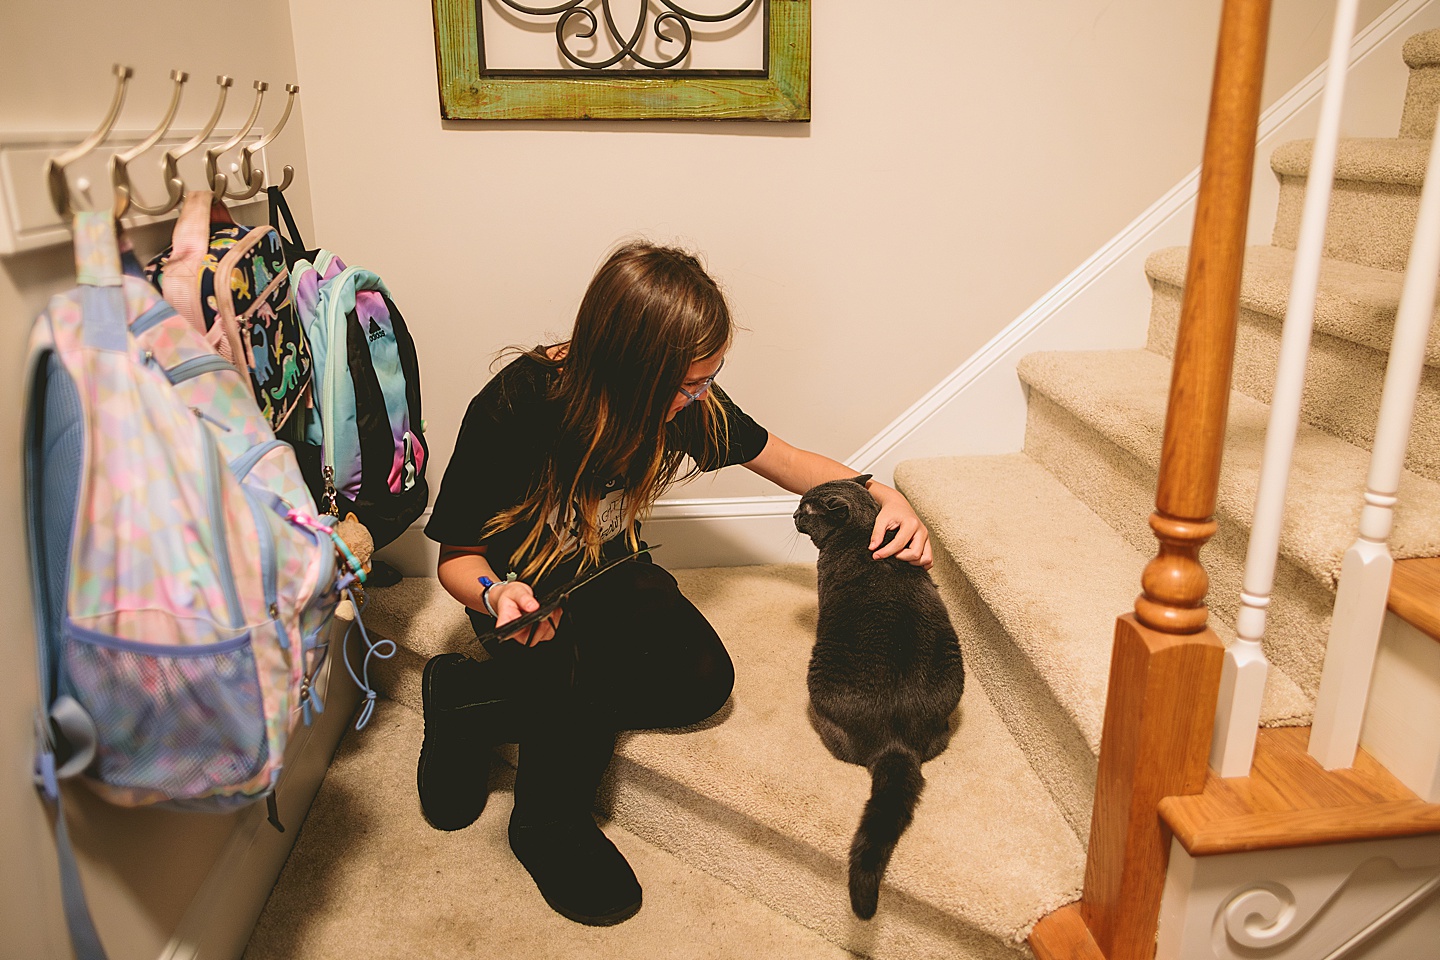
233 284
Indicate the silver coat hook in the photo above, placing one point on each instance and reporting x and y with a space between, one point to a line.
174 185
213 175
55 166
252 176
120 162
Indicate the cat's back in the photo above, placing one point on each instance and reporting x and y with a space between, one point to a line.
888 601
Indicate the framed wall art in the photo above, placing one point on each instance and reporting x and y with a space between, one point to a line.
623 59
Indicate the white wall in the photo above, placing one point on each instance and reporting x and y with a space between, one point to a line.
956 167
140 867
963 158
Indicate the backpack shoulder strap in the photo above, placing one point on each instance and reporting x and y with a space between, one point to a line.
290 239
231 343
102 300
191 241
97 267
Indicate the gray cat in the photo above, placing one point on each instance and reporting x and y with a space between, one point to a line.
885 674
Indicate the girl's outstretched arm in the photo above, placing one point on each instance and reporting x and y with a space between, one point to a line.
798 470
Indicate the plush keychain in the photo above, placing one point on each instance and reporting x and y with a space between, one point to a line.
354 546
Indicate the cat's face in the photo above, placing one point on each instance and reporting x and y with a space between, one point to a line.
833 506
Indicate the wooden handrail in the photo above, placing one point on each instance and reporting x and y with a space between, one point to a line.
1174 582
1165 665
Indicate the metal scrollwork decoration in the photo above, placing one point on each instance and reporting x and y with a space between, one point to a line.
575 21
623 59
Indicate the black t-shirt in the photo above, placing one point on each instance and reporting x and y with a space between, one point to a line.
506 432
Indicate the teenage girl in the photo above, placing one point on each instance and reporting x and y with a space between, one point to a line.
557 458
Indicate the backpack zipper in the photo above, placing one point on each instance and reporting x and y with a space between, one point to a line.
213 465
157 314
195 366
247 461
335 362
268 577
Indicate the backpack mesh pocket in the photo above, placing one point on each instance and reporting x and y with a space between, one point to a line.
184 721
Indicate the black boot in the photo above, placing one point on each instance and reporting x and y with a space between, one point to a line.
553 832
466 716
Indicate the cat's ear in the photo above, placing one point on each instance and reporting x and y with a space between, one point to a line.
835 503
863 479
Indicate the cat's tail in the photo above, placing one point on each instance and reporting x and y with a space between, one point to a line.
895 785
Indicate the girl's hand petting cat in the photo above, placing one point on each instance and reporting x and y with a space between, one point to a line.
912 540
513 598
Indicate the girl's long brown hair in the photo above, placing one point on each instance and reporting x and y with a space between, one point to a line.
648 314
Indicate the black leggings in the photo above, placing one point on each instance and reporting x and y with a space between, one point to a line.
631 653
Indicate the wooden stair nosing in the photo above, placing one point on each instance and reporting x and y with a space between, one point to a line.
1289 800
1063 935
1415 594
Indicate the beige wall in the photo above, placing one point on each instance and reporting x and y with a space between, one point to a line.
963 158
141 867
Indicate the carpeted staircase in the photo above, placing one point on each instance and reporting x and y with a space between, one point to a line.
1037 553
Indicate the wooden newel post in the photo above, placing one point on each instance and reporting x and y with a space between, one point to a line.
1165 665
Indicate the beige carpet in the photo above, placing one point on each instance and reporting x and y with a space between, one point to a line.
370 880
1096 420
1354 317
754 799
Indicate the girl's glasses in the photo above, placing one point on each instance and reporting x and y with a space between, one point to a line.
704 385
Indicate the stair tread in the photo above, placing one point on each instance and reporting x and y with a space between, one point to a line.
1391 160
1290 800
1415 594
1422 49
1122 394
1016 532
985 824
1353 302
420 616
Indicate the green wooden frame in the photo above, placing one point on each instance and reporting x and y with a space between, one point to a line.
466 95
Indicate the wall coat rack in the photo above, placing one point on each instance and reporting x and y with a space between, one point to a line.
73 169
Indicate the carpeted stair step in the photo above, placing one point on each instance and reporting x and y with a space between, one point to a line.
370 880
1034 580
754 798
422 620
1422 94
1096 420
1373 205
1354 320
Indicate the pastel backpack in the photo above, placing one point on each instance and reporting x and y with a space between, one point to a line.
181 584
233 284
365 435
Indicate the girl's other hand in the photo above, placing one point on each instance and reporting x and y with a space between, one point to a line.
511 600
912 540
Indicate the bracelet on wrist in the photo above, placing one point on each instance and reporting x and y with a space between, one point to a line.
487 583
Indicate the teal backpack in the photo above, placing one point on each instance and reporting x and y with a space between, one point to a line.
365 435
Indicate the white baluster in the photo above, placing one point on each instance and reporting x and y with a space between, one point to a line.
1242 681
1365 571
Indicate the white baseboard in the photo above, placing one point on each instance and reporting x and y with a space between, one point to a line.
715 532
727 532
